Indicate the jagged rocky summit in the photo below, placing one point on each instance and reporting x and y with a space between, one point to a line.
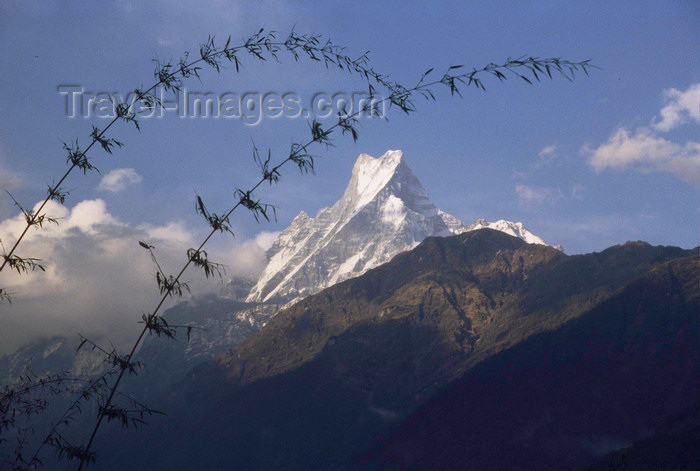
384 211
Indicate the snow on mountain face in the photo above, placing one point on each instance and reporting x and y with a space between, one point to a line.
384 211
515 229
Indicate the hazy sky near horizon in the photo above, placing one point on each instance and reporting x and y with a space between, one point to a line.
586 164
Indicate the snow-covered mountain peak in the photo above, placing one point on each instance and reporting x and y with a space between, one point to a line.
516 229
384 211
300 219
302 216
370 176
368 172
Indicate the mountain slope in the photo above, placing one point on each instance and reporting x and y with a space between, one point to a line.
625 370
329 374
384 211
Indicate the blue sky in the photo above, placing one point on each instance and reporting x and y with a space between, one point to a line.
585 164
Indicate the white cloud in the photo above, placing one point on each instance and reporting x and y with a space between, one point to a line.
175 231
549 150
681 107
530 195
88 214
98 279
118 179
249 257
646 152
265 239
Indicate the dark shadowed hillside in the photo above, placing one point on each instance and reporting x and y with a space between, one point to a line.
326 378
623 372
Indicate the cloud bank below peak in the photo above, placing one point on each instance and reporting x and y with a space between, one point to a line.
98 280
